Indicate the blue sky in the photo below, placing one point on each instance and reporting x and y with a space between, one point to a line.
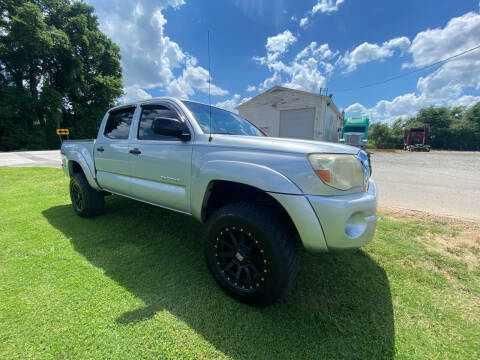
303 44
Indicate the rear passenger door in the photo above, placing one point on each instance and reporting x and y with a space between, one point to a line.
161 166
111 151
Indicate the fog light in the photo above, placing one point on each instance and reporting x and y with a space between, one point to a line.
356 225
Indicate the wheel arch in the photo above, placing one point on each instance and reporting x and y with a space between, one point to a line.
78 164
222 192
256 176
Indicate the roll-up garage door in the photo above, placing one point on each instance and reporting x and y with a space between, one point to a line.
297 124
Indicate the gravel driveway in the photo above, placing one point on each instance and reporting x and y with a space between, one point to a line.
439 182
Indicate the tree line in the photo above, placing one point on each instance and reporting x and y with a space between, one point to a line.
57 70
456 128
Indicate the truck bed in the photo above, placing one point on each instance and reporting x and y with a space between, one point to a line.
78 141
83 147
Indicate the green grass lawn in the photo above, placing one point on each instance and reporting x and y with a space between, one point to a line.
132 283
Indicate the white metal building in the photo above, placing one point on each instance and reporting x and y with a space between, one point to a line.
290 113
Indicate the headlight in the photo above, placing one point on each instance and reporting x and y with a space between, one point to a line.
340 171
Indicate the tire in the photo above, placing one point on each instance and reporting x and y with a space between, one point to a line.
86 201
251 254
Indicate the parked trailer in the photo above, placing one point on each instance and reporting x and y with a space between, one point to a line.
417 139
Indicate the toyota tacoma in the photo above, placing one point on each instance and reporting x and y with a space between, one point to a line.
260 198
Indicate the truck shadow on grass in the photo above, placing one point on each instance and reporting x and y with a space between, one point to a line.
339 307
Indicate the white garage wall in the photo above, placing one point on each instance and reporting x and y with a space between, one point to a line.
264 111
262 116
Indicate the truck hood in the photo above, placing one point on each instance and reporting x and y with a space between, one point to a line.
282 144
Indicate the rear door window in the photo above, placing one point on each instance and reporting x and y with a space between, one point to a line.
119 123
149 113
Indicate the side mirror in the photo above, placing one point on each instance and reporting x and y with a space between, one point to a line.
171 127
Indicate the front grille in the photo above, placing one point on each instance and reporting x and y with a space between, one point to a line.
352 139
364 159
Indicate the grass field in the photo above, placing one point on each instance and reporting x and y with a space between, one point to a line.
133 283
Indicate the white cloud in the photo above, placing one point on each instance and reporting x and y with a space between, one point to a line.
251 88
138 11
402 106
368 52
276 46
357 108
453 77
307 71
323 6
275 79
232 103
134 93
466 100
280 43
407 105
326 6
318 52
461 33
149 56
305 75
193 77
446 85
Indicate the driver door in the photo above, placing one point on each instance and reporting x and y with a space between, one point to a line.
160 164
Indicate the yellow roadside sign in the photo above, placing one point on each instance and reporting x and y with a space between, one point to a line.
63 132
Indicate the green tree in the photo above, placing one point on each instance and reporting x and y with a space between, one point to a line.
53 56
398 132
435 117
380 135
472 116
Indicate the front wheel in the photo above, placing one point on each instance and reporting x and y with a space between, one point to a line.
86 201
250 253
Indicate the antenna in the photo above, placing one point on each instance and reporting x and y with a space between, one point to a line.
209 81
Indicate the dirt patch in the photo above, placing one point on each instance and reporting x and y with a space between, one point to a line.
460 240
384 151
454 221
461 247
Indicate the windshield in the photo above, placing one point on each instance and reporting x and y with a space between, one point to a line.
223 121
354 129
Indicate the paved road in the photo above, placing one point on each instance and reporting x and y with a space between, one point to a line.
439 182
50 158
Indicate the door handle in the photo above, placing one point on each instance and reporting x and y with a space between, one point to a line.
135 151
100 149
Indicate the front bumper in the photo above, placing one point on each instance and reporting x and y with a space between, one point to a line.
333 222
348 221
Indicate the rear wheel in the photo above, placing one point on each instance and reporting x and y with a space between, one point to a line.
86 201
250 253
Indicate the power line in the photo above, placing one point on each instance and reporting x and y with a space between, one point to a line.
410 72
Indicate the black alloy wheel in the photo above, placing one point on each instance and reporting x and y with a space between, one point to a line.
240 259
78 199
86 201
251 253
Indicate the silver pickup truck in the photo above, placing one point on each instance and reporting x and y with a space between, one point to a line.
260 198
